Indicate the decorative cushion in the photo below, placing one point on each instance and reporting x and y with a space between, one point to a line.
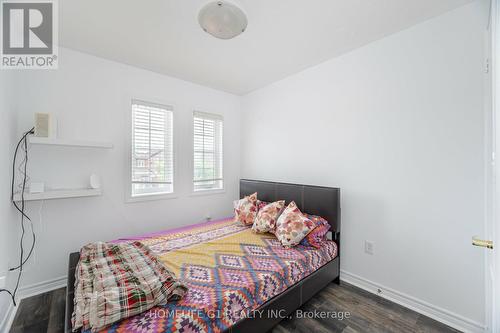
316 237
267 217
246 210
292 226
261 204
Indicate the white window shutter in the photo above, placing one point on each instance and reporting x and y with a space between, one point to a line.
207 151
152 149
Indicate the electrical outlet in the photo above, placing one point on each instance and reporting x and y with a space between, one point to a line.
369 247
487 66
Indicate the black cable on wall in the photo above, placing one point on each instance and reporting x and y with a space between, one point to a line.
23 142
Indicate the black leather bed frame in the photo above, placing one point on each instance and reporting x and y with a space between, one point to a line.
315 200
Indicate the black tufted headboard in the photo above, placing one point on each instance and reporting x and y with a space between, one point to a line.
314 200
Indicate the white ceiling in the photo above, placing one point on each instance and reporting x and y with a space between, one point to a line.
283 36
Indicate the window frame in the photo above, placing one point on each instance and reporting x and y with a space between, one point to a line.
129 144
195 192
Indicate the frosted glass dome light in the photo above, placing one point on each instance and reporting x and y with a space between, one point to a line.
222 19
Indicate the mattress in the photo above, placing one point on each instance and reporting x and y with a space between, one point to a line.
229 270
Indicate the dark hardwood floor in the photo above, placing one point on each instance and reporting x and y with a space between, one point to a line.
41 313
367 313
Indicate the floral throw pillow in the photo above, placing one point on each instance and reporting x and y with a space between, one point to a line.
316 237
267 217
261 204
246 210
292 226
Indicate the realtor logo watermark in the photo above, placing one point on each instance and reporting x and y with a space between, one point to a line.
29 34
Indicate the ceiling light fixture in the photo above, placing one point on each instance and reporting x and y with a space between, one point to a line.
222 19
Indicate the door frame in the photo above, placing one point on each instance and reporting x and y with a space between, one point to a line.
492 221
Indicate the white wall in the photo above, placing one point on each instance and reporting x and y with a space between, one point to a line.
399 126
4 210
91 99
7 217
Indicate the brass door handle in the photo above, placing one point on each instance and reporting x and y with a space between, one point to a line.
482 243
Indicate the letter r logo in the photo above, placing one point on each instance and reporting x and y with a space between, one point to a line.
27 27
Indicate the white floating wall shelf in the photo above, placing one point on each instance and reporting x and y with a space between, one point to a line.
59 194
69 143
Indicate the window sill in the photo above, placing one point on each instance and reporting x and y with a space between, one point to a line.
151 197
207 192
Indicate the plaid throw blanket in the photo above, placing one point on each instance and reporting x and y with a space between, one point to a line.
116 281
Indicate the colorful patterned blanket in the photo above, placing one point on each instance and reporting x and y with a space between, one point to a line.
229 271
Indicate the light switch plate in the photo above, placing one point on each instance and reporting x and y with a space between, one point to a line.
2 281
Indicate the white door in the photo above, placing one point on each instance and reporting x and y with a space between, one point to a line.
492 98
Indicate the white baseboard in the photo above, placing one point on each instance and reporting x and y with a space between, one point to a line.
8 318
28 291
42 287
446 317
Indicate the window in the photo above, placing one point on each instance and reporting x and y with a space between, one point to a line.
152 171
207 150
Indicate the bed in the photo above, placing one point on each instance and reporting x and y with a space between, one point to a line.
238 281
